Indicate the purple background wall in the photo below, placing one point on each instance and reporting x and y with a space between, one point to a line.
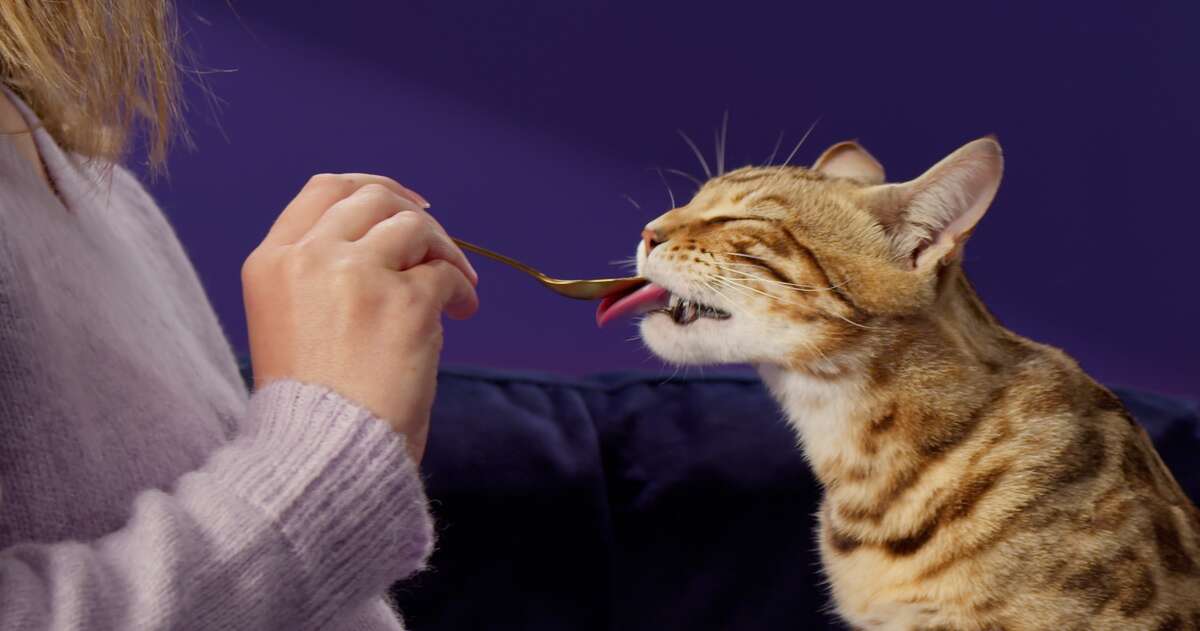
525 123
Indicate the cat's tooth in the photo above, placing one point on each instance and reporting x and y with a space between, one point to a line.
691 313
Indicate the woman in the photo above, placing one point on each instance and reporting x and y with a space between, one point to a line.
139 488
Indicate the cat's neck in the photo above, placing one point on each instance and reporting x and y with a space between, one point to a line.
826 414
939 366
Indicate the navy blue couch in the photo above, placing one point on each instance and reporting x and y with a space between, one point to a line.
629 503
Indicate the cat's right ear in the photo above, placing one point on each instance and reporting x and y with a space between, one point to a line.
928 219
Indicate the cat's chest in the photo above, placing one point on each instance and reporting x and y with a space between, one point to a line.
873 592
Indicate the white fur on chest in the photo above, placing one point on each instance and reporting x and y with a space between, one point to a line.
820 410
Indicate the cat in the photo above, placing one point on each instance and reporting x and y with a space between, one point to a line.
973 479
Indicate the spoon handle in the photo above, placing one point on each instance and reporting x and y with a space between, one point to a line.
497 256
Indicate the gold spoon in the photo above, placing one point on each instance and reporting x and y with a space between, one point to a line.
592 289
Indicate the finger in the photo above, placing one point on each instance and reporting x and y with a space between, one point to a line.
452 292
351 218
410 238
321 192
455 253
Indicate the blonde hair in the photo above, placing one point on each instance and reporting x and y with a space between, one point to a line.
95 71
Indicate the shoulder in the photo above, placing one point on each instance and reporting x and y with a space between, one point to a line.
116 183
133 185
126 204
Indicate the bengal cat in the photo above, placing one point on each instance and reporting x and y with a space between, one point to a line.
973 479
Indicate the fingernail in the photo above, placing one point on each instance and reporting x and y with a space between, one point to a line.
420 199
474 274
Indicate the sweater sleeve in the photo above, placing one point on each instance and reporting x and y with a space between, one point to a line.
312 510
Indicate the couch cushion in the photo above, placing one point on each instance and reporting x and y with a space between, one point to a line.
517 490
636 502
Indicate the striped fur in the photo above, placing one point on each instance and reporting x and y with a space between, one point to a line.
974 479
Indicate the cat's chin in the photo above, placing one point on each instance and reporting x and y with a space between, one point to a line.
704 341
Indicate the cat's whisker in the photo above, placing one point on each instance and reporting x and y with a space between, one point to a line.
749 270
630 261
745 275
799 144
748 276
747 287
812 346
717 159
718 262
670 193
673 375
721 143
733 268
728 285
754 266
782 167
736 286
732 283
809 345
696 150
857 324
718 292
838 285
685 174
630 199
748 256
775 151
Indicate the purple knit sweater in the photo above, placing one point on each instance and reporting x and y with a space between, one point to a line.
139 487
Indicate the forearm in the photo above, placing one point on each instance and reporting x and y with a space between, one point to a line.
313 509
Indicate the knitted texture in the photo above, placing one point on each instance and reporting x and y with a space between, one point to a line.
140 488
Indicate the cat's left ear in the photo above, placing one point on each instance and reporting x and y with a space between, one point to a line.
929 218
848 159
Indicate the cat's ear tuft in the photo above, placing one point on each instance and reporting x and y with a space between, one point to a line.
849 160
930 218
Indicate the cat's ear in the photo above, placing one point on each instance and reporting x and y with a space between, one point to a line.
929 218
848 159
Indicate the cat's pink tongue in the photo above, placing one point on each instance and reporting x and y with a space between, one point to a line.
645 298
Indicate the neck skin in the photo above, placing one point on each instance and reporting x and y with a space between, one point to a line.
910 385
17 131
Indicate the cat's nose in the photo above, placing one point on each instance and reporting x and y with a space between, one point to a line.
651 239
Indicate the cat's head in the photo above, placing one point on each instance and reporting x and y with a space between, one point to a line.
793 266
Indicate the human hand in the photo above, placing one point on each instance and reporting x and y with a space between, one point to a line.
347 291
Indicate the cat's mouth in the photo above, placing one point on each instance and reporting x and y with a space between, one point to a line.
685 312
652 298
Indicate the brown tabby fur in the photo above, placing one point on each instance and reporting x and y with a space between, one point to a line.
974 479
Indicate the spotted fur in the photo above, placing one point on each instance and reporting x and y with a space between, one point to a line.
974 479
